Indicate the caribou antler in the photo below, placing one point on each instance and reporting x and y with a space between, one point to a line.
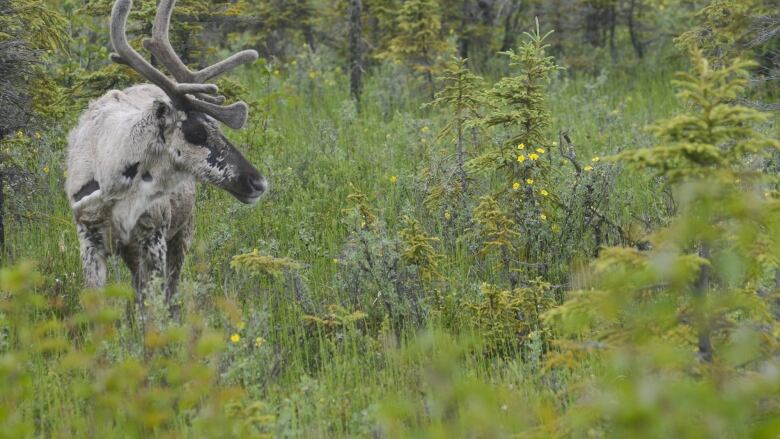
189 92
160 46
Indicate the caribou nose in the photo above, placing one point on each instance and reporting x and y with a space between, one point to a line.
258 183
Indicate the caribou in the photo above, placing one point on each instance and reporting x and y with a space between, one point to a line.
135 157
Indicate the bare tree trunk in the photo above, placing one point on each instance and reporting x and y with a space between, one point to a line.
510 26
355 50
632 31
308 32
463 34
612 25
700 293
2 218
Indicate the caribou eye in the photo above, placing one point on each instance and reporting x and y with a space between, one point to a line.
194 131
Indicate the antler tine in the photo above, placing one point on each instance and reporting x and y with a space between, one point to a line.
160 46
229 63
233 115
125 54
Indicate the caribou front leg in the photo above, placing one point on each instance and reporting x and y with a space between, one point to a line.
177 247
151 265
93 255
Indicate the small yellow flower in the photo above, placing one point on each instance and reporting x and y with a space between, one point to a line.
543 217
259 341
312 74
544 193
240 325
521 146
588 168
529 180
335 260
393 179
276 72
45 169
37 135
533 156
425 129
540 150
447 214
520 158
362 224
235 338
516 186
595 159
555 143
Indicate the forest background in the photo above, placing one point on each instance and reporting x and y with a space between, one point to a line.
487 218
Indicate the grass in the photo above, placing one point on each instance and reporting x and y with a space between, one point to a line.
343 380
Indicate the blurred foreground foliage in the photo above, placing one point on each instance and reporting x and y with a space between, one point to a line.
515 258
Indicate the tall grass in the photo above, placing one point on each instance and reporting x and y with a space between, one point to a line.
337 380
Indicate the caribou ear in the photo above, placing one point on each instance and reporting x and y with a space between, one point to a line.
164 116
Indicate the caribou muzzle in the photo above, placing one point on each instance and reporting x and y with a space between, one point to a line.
248 185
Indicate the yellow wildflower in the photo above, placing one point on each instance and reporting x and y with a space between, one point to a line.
520 158
588 168
259 341
529 180
543 217
45 169
37 135
393 179
447 214
540 150
425 129
240 325
235 338
595 159
544 193
516 186
521 146
533 156
312 74
335 261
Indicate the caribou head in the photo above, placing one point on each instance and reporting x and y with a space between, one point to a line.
189 121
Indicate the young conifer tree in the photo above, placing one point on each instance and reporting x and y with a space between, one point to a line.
518 105
463 97
690 321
